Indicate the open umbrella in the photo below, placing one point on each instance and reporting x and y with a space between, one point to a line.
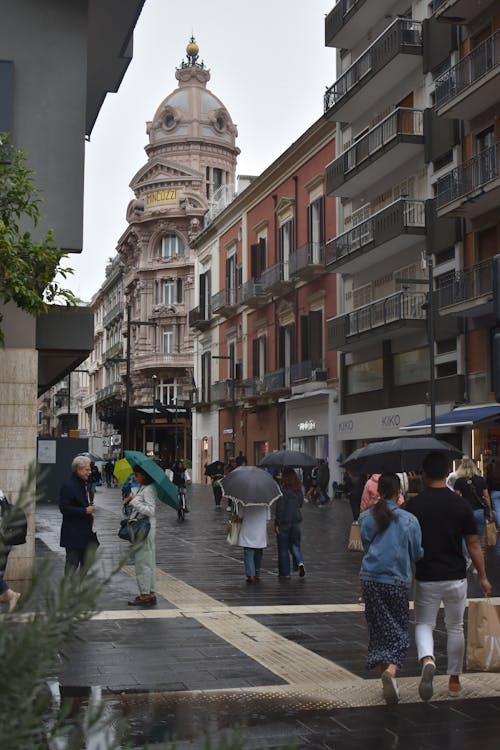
167 492
295 459
122 470
216 467
250 485
91 456
398 455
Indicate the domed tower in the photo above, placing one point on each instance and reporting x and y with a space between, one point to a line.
191 166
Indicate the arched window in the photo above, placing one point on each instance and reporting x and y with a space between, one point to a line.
170 245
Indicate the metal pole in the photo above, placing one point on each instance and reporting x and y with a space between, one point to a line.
153 378
430 312
175 446
233 402
127 384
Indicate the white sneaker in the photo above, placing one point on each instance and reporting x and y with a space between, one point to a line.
13 601
390 688
425 689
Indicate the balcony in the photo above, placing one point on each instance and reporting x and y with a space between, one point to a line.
276 381
385 150
471 86
391 231
392 317
248 389
253 293
113 351
220 392
109 391
471 189
458 11
470 292
225 302
393 55
347 22
200 318
157 361
308 372
112 314
276 279
200 398
308 261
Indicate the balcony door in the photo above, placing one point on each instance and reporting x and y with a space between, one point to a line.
286 241
486 156
316 229
231 280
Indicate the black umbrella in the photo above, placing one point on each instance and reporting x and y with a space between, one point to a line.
250 485
400 454
295 459
216 467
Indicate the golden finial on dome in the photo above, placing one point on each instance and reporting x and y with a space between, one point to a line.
192 51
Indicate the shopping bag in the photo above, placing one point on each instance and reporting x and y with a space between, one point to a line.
355 544
233 530
483 637
490 534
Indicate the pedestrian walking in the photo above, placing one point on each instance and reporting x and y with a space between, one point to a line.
474 489
143 503
78 516
108 473
93 481
287 524
353 487
6 593
493 481
253 537
323 479
216 471
370 494
445 520
392 541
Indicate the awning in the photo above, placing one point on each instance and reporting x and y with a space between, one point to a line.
465 417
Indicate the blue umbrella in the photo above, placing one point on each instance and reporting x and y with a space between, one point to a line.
167 491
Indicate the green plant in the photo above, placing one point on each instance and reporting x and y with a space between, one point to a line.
28 269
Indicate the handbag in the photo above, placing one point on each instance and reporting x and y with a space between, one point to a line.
134 529
490 534
93 541
233 530
355 544
483 637
14 523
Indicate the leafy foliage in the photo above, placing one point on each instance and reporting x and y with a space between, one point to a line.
28 269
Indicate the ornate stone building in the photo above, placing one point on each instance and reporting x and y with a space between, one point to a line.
190 170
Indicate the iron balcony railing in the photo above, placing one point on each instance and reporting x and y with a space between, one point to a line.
335 19
198 315
482 59
403 121
274 274
436 4
221 391
276 380
224 298
248 387
251 289
108 390
467 285
303 371
407 29
364 233
469 176
114 351
312 253
399 306
115 311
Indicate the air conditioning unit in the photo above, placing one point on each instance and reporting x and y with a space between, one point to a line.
319 375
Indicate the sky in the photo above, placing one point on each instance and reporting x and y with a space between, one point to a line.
268 65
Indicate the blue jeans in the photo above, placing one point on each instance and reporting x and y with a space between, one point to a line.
495 501
480 520
253 559
289 543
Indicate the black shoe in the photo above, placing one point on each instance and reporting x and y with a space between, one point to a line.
186 510
302 570
143 601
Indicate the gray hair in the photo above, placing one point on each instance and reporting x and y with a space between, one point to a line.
79 462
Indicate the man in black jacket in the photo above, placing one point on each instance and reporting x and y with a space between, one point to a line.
77 512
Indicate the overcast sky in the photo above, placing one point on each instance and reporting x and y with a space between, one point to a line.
268 65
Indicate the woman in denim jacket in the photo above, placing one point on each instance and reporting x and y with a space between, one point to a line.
392 540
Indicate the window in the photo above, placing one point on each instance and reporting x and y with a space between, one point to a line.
285 246
443 160
168 292
168 392
365 377
411 367
444 256
217 177
446 369
258 259
259 357
231 280
179 291
206 376
311 338
446 346
168 339
316 228
170 246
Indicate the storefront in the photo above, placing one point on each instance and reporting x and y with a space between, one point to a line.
309 426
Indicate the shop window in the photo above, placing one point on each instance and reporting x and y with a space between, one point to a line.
365 377
411 367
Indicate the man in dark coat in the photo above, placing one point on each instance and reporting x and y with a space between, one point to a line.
76 529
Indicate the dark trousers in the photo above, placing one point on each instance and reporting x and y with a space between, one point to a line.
217 490
75 558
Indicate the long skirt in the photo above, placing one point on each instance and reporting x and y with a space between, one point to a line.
387 615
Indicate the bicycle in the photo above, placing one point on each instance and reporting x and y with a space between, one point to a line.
182 500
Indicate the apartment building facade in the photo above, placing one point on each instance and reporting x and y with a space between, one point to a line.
263 376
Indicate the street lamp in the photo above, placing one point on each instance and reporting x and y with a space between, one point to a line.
230 357
154 378
130 323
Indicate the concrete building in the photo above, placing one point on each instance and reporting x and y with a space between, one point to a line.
408 222
263 376
58 62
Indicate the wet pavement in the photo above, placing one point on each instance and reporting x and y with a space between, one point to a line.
278 664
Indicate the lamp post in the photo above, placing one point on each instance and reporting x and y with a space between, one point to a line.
230 357
430 310
130 323
153 423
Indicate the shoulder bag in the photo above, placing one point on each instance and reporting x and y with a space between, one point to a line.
134 529
233 530
14 523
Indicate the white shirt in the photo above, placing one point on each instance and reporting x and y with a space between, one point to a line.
253 532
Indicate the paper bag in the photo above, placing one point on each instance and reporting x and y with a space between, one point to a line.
233 530
355 544
483 637
490 534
